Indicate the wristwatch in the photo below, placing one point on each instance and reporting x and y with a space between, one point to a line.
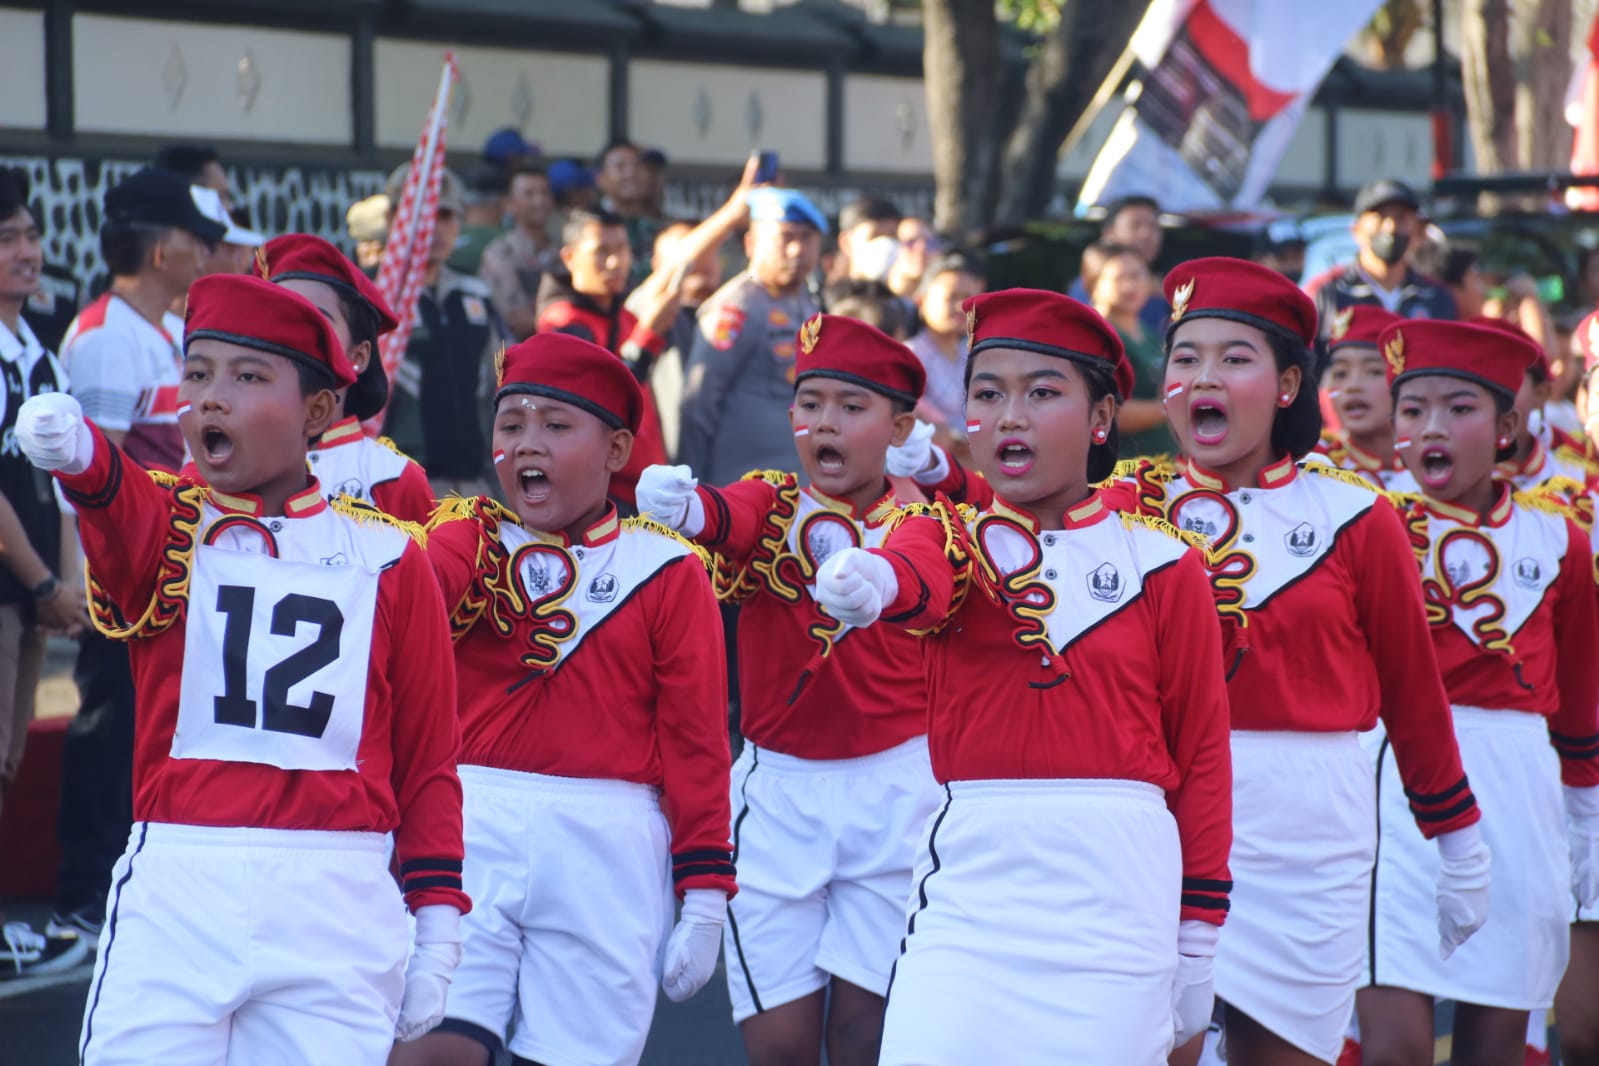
46 588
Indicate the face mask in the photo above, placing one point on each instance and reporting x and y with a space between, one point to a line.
1389 247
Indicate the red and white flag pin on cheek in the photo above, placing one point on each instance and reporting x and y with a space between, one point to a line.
184 407
974 426
1402 443
1174 390
499 456
802 431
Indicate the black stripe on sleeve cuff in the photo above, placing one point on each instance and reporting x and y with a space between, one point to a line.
1569 747
435 865
1200 884
1207 903
702 869
419 884
1447 813
96 500
718 521
701 855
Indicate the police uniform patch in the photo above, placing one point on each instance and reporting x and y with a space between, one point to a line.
477 312
725 327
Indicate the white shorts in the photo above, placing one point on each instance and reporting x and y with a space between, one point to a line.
251 947
571 886
1304 839
1043 924
1515 961
824 850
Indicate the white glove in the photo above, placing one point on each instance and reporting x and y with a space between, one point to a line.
53 435
695 940
1193 993
915 455
1582 823
855 585
1462 887
666 494
435 954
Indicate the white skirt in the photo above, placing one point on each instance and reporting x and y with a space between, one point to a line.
1304 820
1043 921
1516 960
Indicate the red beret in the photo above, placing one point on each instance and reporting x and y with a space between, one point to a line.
832 346
245 310
1509 328
1240 291
1493 358
1587 335
1358 324
1047 322
571 370
309 258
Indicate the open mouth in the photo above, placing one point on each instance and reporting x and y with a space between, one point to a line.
216 445
1356 409
1209 420
1437 466
535 484
829 460
1015 458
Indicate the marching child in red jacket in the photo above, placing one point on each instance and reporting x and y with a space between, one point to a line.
295 703
1069 891
1356 386
833 785
594 755
345 459
1511 605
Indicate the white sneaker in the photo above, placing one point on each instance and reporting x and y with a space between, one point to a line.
25 953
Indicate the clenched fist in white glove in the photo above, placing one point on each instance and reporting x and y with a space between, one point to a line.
666 494
695 940
53 435
915 455
1462 887
1582 826
1193 991
854 586
435 953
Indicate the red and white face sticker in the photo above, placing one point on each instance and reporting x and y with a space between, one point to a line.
184 407
1402 443
499 456
1174 390
974 426
802 431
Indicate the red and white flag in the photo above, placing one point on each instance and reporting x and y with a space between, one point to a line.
405 253
1219 89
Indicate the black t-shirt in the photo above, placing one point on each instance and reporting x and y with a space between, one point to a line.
27 369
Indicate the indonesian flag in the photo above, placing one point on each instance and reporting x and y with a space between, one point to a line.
1219 88
1582 111
405 254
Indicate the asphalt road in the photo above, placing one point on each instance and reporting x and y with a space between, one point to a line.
39 1018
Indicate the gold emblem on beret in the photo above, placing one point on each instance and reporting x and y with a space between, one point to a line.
1395 353
971 326
499 368
261 262
1180 298
1340 323
810 333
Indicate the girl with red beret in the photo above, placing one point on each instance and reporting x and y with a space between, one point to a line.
1356 389
1511 604
1322 610
1070 888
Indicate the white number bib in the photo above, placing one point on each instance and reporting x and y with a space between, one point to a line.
275 664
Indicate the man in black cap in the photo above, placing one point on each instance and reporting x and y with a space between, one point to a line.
123 355
1387 227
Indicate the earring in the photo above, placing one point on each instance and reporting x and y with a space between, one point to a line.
1504 442
1100 435
1284 400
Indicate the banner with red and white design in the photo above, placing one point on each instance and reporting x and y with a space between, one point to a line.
405 253
1582 113
1220 87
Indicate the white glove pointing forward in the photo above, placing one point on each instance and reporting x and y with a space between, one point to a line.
695 940
1193 992
666 494
854 586
435 954
1463 879
53 435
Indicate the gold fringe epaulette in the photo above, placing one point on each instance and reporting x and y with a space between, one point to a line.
1160 525
649 525
367 515
1545 499
1337 473
1155 468
780 478
391 446
458 508
164 479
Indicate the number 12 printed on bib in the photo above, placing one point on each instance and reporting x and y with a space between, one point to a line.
275 661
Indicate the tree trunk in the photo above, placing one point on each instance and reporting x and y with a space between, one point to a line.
1072 64
1541 46
1490 83
961 64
